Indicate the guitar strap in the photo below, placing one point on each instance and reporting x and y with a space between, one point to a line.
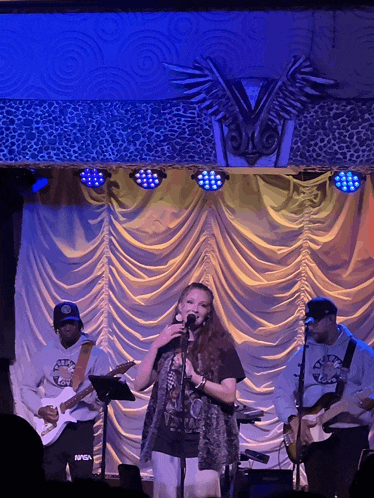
80 367
340 385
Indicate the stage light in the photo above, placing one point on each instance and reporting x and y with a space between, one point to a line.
148 179
39 181
210 181
39 184
347 181
93 177
27 181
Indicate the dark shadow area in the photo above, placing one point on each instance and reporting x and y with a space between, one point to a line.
21 464
62 6
11 203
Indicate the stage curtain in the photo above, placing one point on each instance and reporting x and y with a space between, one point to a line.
264 244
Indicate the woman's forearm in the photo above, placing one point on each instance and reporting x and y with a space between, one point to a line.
144 377
225 391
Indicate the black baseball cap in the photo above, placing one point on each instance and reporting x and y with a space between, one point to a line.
65 311
319 307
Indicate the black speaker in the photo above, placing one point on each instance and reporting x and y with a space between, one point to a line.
262 483
129 477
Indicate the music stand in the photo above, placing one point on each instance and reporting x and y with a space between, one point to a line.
108 389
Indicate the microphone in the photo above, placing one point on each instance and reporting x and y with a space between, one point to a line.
190 322
189 325
191 319
309 321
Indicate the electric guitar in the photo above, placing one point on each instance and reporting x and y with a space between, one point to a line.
64 403
326 408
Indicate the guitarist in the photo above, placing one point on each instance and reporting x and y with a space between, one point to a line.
330 464
52 369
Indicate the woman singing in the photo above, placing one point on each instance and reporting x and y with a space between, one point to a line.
206 438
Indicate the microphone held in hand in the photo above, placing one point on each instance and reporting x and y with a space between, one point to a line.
191 319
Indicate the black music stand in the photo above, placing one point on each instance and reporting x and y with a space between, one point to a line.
108 389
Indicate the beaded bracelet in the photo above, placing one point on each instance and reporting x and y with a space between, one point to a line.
201 384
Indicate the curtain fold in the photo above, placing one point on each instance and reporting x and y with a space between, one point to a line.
264 244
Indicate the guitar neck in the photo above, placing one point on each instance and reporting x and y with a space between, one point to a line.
78 397
68 404
334 410
342 406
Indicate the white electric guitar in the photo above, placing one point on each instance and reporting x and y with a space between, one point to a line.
64 403
317 416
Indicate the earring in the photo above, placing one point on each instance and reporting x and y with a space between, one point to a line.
178 317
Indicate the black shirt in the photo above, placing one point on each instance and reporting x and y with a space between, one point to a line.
171 439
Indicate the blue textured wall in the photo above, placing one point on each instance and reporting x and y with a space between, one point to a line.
119 56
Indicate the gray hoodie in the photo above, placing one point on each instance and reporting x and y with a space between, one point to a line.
323 365
52 369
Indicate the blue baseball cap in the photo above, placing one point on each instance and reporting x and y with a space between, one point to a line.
65 311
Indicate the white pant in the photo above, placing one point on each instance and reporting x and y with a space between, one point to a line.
197 484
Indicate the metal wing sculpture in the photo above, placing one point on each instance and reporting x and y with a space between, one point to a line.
253 131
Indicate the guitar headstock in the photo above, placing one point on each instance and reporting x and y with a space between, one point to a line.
122 368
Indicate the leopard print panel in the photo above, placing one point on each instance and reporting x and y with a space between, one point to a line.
329 133
334 133
117 132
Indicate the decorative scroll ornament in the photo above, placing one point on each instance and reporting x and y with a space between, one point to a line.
252 131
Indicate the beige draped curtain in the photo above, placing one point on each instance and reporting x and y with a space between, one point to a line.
264 245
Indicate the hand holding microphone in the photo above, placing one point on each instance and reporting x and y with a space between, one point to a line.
169 333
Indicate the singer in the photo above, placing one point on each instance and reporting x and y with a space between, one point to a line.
206 437
337 365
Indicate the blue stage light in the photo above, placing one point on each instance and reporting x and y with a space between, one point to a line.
93 177
39 181
149 179
211 181
27 181
347 181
